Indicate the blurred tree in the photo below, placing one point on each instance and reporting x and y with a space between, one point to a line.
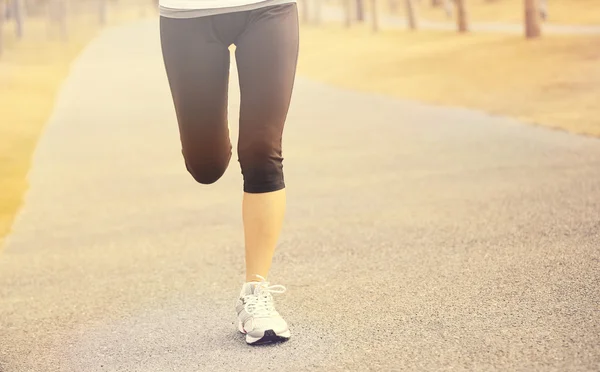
411 14
375 15
62 13
448 8
360 10
317 11
347 12
305 11
16 12
393 6
57 18
2 16
462 16
532 19
34 7
103 11
544 10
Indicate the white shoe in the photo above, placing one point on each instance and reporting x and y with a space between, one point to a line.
257 317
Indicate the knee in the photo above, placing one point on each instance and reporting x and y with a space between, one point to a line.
206 171
262 169
205 174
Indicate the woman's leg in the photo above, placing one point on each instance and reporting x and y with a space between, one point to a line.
197 66
263 216
266 55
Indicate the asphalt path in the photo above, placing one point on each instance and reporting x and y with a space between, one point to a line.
417 238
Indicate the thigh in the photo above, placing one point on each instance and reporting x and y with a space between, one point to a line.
266 56
197 67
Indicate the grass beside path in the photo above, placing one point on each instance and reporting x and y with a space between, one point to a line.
31 72
553 81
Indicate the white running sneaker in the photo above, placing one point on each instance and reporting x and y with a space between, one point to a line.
257 317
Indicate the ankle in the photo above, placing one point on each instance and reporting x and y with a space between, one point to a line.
255 278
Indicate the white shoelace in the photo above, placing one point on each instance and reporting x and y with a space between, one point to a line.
260 304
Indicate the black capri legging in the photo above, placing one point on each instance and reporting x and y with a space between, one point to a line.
197 61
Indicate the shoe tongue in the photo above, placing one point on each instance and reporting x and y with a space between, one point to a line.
251 288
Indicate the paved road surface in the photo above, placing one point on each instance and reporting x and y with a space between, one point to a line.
417 238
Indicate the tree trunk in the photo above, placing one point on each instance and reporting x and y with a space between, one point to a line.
103 12
410 14
63 19
375 15
360 10
462 17
17 14
57 19
543 10
348 12
317 12
2 5
532 19
448 7
305 11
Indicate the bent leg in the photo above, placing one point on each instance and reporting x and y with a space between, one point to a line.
197 66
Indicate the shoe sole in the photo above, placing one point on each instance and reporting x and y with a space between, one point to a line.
269 337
